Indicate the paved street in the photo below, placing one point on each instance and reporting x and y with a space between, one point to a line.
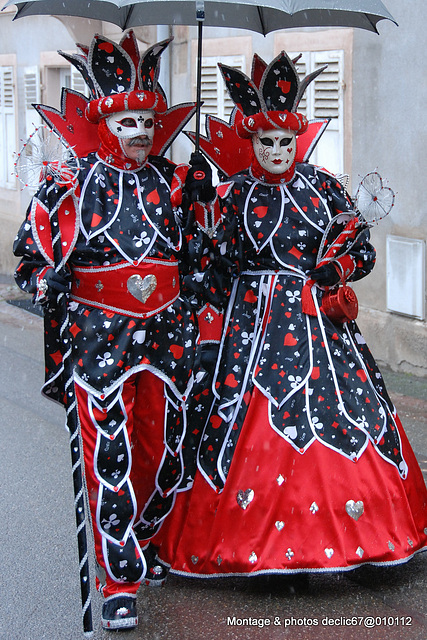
39 577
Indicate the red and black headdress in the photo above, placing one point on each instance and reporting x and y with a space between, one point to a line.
270 99
119 79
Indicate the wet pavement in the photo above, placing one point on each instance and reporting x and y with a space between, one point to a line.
39 577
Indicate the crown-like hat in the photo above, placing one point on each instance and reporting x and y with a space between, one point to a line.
118 77
271 98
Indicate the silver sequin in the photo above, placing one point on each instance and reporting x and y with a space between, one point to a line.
253 557
194 559
390 545
289 554
360 551
329 552
280 479
354 509
244 498
314 508
279 525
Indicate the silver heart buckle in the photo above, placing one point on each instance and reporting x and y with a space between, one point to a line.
142 288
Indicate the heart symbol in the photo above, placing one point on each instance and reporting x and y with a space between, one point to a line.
354 509
231 381
106 46
362 375
315 374
141 288
250 296
153 197
290 341
279 525
373 200
329 552
244 498
176 350
261 211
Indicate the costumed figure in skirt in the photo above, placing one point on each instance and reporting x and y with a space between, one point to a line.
133 333
303 464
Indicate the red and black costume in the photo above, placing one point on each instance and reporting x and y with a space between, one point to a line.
134 334
303 463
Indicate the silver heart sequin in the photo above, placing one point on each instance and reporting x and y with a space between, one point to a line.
354 509
142 288
244 498
329 552
279 525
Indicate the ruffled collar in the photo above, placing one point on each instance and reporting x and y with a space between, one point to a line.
259 173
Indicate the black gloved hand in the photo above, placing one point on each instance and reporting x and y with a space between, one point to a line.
198 183
326 275
51 284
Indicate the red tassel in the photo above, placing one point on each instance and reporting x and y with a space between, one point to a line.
307 299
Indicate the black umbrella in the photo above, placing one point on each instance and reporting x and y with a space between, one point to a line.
262 16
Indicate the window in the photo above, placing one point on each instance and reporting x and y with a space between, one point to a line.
216 101
324 99
32 96
70 78
7 127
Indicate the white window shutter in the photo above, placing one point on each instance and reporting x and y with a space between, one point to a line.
215 97
329 103
301 66
324 99
328 98
77 82
7 127
32 96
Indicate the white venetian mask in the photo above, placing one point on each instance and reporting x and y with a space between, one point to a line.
275 149
129 124
134 131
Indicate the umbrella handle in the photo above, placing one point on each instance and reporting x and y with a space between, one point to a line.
200 16
73 427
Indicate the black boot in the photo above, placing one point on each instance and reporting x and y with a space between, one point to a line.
157 571
119 612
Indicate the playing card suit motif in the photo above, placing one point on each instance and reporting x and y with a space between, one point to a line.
354 509
244 498
308 368
142 288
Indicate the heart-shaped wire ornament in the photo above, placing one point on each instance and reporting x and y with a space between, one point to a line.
373 200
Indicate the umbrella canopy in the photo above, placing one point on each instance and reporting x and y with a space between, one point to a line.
262 16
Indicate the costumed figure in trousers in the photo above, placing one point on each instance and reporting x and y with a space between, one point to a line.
133 333
303 464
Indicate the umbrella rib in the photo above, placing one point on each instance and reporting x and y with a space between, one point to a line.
261 19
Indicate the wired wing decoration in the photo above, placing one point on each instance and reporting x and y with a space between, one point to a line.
43 155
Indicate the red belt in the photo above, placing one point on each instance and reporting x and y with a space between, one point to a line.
140 291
